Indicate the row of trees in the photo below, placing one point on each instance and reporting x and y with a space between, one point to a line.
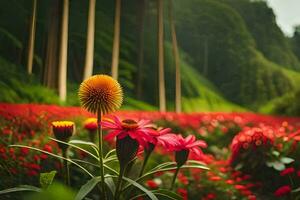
55 71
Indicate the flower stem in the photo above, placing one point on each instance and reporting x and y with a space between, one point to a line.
147 155
119 183
66 167
174 178
100 138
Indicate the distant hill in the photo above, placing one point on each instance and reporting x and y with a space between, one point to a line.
239 69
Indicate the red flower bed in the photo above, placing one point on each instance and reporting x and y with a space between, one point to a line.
273 141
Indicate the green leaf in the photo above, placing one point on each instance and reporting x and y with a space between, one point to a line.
139 186
286 160
168 169
166 194
46 179
110 159
275 153
21 188
77 147
83 142
110 169
163 165
296 190
110 183
195 162
110 153
87 188
278 166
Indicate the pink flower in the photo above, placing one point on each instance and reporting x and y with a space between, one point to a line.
188 143
283 190
165 138
140 131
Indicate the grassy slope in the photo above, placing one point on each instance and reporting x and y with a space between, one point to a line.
270 106
207 97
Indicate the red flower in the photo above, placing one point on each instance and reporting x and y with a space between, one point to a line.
215 178
252 197
183 179
24 151
183 192
240 187
287 171
229 181
139 131
151 184
211 196
283 190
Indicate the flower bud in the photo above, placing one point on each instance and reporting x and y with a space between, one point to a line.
127 149
63 130
181 157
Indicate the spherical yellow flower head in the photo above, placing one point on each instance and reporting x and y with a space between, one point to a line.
100 92
63 130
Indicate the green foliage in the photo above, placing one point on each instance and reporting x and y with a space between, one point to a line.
269 39
46 179
54 191
17 87
289 104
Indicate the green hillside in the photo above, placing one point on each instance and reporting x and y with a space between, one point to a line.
233 55
243 74
269 39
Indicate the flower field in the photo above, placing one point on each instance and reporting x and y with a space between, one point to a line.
249 156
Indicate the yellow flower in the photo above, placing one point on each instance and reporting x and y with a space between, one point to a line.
90 124
100 92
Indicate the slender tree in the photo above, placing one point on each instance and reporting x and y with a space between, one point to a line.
89 53
116 42
161 76
140 21
31 38
177 60
62 69
50 79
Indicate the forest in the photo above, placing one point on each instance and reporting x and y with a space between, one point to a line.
257 66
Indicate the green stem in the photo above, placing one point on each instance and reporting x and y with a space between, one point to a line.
144 164
119 183
66 167
174 178
100 137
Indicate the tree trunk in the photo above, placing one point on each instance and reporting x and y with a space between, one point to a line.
140 21
31 38
63 56
116 42
51 59
161 76
177 60
89 54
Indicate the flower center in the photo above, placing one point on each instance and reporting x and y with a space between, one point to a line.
129 124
